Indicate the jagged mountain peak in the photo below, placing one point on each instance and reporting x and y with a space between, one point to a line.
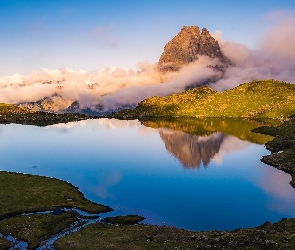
187 46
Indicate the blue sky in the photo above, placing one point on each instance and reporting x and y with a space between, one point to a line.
90 35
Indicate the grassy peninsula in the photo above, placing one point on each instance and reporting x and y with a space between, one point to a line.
23 193
10 113
258 99
20 193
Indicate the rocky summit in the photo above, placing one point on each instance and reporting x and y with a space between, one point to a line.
187 46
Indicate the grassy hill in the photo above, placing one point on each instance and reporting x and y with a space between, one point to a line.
257 99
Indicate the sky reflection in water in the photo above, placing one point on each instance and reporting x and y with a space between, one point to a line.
188 181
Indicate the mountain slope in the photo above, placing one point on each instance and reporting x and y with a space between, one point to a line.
257 99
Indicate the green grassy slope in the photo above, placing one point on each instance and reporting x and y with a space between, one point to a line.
257 99
22 193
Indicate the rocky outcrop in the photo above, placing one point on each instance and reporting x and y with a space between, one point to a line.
54 104
57 104
187 46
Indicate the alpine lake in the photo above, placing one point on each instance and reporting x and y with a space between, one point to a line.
194 174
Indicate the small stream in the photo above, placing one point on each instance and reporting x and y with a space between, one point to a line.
14 243
74 227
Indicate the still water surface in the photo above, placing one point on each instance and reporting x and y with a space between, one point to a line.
213 181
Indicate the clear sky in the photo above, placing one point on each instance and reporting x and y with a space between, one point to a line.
93 34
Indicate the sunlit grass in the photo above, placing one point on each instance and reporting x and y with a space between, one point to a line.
258 99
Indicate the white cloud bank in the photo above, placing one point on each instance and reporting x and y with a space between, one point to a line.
115 87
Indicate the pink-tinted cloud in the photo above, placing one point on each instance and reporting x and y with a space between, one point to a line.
275 59
279 39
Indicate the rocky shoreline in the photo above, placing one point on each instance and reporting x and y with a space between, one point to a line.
282 147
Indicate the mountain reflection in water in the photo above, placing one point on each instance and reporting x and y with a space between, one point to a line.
192 150
195 142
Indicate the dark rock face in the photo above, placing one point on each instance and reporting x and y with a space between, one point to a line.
187 46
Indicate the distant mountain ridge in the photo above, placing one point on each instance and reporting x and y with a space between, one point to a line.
187 46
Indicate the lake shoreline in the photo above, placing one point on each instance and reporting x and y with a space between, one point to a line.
282 147
272 235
